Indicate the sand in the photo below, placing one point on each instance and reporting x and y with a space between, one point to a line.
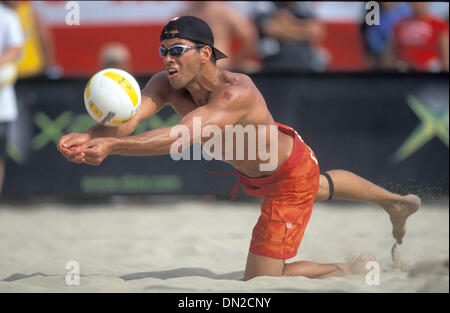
198 246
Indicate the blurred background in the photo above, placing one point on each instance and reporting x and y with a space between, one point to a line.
368 92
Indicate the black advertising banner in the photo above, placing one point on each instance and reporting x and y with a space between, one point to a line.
391 129
50 109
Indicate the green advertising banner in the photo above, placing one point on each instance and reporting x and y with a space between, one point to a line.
391 129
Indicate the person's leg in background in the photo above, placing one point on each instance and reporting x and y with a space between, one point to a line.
3 141
2 174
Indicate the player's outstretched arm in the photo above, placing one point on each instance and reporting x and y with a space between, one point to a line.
152 102
227 108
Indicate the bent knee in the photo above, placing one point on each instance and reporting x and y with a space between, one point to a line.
324 189
259 265
268 272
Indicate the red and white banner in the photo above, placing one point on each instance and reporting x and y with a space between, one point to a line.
108 12
137 25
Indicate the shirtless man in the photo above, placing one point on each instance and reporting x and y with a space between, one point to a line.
196 87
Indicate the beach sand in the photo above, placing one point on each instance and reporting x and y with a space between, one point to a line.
196 246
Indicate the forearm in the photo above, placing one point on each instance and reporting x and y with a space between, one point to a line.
99 130
10 55
286 30
154 142
273 28
309 30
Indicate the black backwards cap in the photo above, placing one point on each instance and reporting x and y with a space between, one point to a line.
191 28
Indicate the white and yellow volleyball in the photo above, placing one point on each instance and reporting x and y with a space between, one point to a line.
112 97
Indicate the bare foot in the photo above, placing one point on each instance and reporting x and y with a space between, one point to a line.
397 260
358 266
399 211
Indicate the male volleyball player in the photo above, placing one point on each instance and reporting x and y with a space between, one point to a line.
196 87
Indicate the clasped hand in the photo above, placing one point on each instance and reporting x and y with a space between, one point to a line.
80 148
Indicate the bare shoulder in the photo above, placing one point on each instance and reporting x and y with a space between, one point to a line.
237 88
157 85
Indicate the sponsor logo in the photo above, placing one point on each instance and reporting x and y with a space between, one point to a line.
434 120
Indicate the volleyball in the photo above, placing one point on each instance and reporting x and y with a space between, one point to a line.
112 97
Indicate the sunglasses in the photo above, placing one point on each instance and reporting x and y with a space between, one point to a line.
176 50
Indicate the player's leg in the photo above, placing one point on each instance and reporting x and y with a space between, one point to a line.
320 271
260 265
345 185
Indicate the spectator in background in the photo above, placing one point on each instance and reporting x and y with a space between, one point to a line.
227 24
11 44
420 42
288 35
35 53
38 51
376 38
116 55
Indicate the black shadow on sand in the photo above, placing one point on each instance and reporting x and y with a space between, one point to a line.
184 272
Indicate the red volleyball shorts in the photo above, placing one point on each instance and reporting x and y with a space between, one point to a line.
288 201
